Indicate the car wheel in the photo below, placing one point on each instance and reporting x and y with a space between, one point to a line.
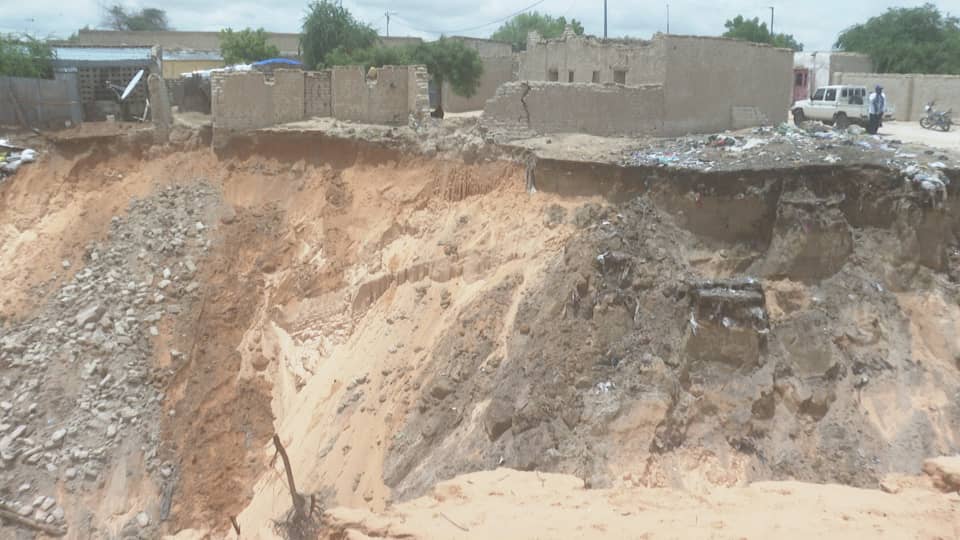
841 121
799 117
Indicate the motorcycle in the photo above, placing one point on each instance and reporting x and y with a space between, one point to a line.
936 119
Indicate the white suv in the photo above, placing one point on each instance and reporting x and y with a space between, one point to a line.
840 105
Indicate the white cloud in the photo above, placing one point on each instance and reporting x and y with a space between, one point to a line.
815 23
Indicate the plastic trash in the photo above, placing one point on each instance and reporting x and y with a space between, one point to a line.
11 167
28 156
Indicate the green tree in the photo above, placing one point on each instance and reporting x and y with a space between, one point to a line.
757 32
451 61
907 40
245 46
25 56
371 57
329 26
118 18
516 29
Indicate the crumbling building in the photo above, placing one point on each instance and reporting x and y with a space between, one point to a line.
669 85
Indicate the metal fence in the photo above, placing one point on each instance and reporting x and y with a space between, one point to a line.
41 103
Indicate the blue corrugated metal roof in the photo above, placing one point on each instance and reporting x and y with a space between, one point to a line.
101 54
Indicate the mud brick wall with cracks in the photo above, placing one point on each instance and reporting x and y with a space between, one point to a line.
522 109
251 100
908 93
318 96
389 99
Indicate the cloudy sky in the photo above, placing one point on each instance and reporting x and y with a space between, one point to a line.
815 23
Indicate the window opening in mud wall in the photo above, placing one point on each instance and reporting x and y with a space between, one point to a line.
553 75
596 77
570 76
620 76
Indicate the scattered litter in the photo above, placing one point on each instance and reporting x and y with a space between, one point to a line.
12 157
605 387
938 165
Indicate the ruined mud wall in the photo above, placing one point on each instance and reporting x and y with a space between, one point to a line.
908 93
496 71
249 100
317 94
521 109
390 98
642 61
707 77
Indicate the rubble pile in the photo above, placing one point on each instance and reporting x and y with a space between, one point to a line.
785 145
77 376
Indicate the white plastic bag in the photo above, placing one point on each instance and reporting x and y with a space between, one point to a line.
28 156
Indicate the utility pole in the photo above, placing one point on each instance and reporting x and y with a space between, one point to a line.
771 22
387 15
668 18
604 19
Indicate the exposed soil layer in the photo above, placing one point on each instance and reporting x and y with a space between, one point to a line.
765 323
399 320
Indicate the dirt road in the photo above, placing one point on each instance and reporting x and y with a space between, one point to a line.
912 132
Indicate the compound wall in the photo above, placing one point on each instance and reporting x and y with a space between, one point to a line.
908 93
524 109
496 71
708 84
317 94
388 99
706 78
249 100
288 44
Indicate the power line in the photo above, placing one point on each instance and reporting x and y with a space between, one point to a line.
448 32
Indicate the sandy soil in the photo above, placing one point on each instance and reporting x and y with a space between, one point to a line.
369 306
510 504
912 132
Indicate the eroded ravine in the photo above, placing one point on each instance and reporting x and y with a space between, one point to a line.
398 321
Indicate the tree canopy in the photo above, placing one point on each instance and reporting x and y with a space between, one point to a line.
757 32
329 26
907 40
245 46
25 56
516 29
118 18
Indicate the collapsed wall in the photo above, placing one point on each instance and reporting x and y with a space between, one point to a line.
250 100
523 109
909 92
